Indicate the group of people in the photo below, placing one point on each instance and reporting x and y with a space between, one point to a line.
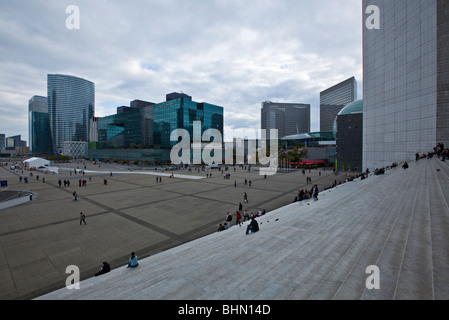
441 152
307 194
106 267
240 215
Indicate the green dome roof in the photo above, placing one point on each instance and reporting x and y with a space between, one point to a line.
353 107
356 106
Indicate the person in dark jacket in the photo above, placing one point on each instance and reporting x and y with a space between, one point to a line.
253 226
104 269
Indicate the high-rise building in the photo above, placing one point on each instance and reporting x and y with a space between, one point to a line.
287 118
146 113
180 113
15 141
39 134
71 105
334 99
405 79
2 140
121 130
177 95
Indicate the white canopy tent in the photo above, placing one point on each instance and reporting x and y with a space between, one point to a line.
36 163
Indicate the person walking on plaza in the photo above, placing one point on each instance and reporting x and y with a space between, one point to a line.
245 198
75 196
82 217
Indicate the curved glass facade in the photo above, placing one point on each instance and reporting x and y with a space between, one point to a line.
71 104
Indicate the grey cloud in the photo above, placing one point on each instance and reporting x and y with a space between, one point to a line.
227 52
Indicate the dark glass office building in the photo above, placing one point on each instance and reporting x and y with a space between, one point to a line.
39 134
334 99
121 130
180 113
71 105
287 118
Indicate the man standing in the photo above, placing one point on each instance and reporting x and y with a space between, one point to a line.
315 192
228 219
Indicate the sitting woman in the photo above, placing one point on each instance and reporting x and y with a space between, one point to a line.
132 262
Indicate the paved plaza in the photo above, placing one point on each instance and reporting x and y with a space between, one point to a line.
132 212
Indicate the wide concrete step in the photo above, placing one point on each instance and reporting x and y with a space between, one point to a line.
308 250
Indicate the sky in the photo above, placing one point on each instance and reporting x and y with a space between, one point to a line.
231 53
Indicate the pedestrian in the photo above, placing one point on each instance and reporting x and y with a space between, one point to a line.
104 269
235 184
82 217
132 262
228 219
238 217
75 196
240 206
315 192
245 198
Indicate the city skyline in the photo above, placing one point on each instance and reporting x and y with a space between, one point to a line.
234 54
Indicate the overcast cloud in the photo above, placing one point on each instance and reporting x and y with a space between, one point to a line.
232 53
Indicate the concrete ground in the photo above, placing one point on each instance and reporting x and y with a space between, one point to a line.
381 238
39 239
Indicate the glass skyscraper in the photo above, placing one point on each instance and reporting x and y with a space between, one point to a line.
71 105
288 118
39 134
120 130
405 80
334 99
180 113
